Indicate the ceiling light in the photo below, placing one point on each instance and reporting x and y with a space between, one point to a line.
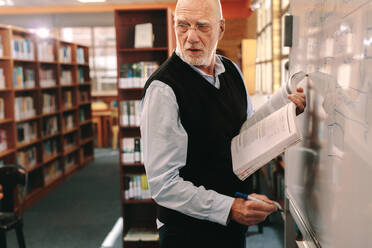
92 1
6 3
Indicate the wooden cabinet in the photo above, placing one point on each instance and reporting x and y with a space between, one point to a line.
46 108
135 65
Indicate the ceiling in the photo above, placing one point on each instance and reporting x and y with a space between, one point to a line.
75 2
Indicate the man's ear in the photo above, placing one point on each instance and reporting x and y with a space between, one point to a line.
222 29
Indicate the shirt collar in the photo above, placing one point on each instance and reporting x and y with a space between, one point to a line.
219 68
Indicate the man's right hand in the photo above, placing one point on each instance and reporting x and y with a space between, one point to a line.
1 193
249 213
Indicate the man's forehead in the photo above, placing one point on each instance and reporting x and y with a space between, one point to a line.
196 20
205 9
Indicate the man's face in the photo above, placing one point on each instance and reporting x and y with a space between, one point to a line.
198 30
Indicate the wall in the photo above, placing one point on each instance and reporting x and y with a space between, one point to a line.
236 31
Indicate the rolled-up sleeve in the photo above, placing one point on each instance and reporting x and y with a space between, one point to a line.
165 148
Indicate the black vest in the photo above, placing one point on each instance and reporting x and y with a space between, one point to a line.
211 118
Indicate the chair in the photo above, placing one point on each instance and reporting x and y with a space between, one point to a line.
11 176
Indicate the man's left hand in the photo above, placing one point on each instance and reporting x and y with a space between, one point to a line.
298 98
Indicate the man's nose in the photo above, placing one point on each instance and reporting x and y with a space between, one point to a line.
192 35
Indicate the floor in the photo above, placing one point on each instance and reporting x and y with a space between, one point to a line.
81 212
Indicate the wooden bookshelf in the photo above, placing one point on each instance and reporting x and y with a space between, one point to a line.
138 211
31 71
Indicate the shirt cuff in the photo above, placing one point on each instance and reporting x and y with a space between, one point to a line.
221 209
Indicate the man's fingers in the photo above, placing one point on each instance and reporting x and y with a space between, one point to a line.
262 197
262 207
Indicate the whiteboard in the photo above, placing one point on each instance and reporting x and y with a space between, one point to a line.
329 175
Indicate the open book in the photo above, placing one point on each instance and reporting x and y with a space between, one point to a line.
263 138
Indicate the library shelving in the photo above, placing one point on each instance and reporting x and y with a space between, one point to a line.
271 75
45 117
135 65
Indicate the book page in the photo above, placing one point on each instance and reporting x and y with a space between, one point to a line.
260 143
278 100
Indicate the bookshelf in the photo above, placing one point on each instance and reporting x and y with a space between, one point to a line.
271 74
135 65
40 125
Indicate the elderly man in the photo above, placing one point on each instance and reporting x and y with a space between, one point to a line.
192 107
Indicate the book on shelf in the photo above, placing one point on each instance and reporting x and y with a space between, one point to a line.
50 126
141 234
3 140
2 79
49 103
1 47
261 140
69 141
130 113
24 108
52 171
143 35
136 187
50 148
27 157
45 51
68 122
132 151
80 55
65 54
82 114
66 77
26 132
84 96
23 49
46 78
81 78
67 99
23 78
70 160
2 109
135 75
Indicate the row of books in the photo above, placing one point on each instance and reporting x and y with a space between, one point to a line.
70 160
50 148
23 78
68 122
135 75
52 171
130 113
2 79
65 54
83 113
50 126
23 49
26 132
80 55
27 157
136 187
84 95
81 78
2 108
132 151
3 140
49 103
24 107
45 51
67 99
47 78
69 141
1 47
66 77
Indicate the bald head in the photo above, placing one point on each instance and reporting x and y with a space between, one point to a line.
210 8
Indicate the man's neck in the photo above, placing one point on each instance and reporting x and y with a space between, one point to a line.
208 69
